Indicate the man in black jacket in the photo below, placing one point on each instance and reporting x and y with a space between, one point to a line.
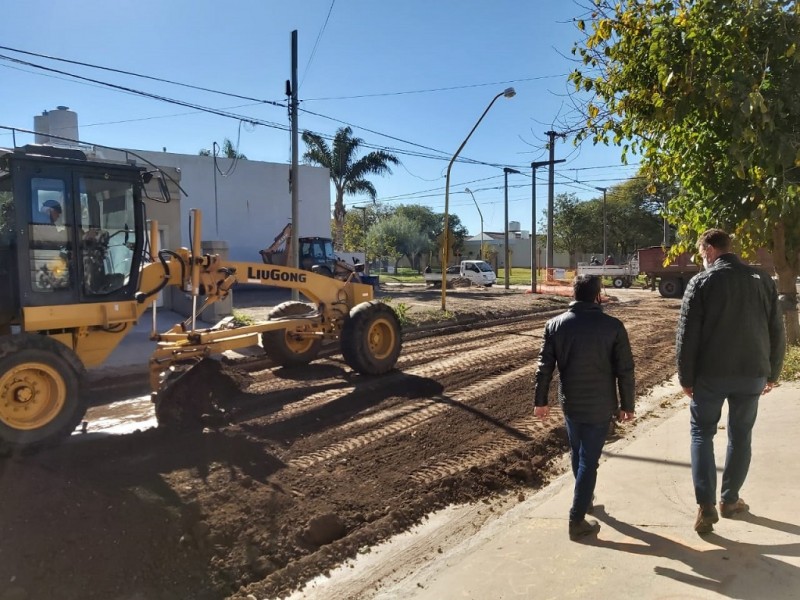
594 359
730 344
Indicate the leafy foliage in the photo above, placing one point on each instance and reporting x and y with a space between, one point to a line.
348 172
705 92
228 151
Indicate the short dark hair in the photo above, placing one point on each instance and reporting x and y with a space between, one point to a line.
52 204
717 238
586 288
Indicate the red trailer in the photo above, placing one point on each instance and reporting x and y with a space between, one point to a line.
672 279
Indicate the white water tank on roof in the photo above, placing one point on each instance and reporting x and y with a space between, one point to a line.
61 122
513 226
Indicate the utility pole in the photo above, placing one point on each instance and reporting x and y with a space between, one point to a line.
534 265
550 184
506 261
294 259
602 189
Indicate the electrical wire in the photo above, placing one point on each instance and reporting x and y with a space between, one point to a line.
132 74
316 44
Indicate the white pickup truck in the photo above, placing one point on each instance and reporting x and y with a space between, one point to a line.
621 275
479 272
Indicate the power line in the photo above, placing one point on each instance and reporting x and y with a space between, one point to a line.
316 43
430 90
154 96
132 74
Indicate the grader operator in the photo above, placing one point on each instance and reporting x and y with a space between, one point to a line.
75 283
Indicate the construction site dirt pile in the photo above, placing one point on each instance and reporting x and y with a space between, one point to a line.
312 467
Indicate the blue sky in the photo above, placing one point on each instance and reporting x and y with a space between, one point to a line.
419 72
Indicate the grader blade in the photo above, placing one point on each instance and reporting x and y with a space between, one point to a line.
191 396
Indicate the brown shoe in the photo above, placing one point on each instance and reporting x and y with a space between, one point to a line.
706 517
729 510
581 529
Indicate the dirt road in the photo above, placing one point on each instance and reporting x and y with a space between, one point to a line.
318 465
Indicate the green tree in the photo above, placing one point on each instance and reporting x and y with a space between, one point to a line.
432 225
634 216
348 172
573 222
705 92
228 151
398 237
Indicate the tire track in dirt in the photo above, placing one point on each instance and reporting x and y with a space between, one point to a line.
426 411
503 354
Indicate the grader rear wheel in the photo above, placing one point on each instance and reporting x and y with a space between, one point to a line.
371 338
40 400
284 346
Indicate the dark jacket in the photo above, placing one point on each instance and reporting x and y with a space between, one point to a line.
730 324
594 359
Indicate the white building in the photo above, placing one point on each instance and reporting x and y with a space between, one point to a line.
252 204
245 203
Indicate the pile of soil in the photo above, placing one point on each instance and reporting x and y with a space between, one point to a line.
311 466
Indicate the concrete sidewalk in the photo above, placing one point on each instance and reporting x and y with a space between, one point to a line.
647 547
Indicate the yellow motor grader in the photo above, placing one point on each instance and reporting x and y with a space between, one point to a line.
81 265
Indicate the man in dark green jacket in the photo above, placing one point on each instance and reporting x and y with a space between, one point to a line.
730 345
594 359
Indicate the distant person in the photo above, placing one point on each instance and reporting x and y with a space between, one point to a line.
594 262
594 359
609 260
427 268
730 345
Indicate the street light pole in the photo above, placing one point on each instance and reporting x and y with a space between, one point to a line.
506 265
602 189
480 248
508 93
535 265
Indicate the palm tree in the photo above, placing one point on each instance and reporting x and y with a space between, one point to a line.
347 173
228 151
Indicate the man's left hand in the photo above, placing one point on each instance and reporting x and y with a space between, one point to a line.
541 412
624 415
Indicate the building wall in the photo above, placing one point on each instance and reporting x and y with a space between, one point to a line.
252 204
520 252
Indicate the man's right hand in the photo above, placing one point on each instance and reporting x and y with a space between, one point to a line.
542 412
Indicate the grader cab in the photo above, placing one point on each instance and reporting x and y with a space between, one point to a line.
80 266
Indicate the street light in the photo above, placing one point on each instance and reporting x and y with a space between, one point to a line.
506 171
508 93
602 189
480 249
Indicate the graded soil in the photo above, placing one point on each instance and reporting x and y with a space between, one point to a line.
312 465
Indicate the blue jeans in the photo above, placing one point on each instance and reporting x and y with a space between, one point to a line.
742 394
586 442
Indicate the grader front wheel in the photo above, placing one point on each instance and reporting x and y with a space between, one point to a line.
40 400
371 338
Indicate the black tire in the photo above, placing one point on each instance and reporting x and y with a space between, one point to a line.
670 287
628 282
286 349
371 338
618 282
40 391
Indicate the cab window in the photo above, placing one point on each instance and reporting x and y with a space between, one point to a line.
50 238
